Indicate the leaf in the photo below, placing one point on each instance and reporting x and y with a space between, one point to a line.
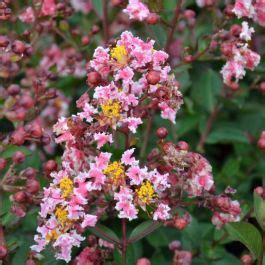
248 235
224 135
97 4
105 233
11 149
205 88
259 209
143 230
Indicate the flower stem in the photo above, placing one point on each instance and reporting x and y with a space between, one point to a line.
124 241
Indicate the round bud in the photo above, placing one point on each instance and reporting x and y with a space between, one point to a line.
246 260
33 186
20 196
153 77
30 262
143 261
18 137
13 90
188 59
235 30
93 78
34 129
3 41
3 251
180 223
116 2
18 157
29 173
182 145
174 245
162 132
26 101
46 139
95 29
85 40
259 190
18 47
152 18
229 10
18 211
49 166
2 163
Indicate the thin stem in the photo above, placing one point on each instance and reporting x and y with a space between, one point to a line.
207 129
124 241
105 21
174 24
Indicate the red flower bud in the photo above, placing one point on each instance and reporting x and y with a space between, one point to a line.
246 260
18 47
188 59
33 186
18 157
18 137
153 77
29 173
20 196
182 145
3 251
85 40
49 166
162 132
93 78
262 87
13 90
2 163
152 19
26 101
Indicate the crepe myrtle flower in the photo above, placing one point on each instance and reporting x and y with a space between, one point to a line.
92 180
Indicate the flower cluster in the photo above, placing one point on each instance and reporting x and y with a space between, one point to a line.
137 10
250 9
239 56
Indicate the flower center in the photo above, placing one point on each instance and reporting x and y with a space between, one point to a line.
53 235
62 215
115 171
119 53
146 192
66 185
111 109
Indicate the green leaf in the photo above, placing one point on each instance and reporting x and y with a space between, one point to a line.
226 135
97 4
143 230
205 88
11 149
248 235
259 208
105 233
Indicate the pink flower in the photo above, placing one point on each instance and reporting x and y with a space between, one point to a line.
162 212
127 158
98 179
167 112
160 181
27 16
102 160
125 74
244 8
83 6
102 139
133 123
143 261
246 31
89 220
136 175
48 7
260 12
88 112
137 10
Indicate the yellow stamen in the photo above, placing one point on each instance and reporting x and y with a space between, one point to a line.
146 192
115 171
111 109
66 185
53 235
119 53
62 215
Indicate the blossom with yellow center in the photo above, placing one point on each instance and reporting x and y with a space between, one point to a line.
52 235
120 54
66 185
146 192
115 171
62 215
111 109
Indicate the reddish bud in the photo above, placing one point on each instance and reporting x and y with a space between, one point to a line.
246 260
2 163
180 223
174 245
229 10
152 19
34 129
49 166
260 191
30 173
85 40
227 49
18 157
18 137
26 101
162 132
46 139
93 78
189 13
18 211
3 41
188 59
3 251
33 186
153 77
143 261
95 29
30 262
13 90
116 2
182 145
18 47
20 196
235 30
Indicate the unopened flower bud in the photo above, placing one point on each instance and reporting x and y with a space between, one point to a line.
49 166
153 77
182 145
188 59
85 40
152 19
20 196
18 157
18 137
174 245
33 186
93 78
3 251
246 260
18 47
29 173
162 132
13 90
143 261
2 163
262 87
